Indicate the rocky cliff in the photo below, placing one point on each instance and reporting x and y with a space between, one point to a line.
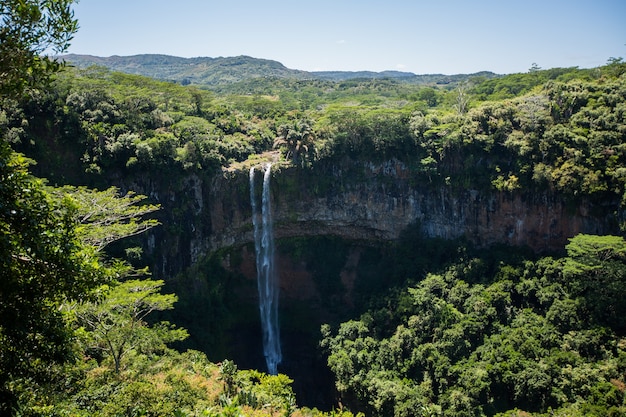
365 202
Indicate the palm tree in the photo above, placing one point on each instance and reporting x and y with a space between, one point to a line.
295 139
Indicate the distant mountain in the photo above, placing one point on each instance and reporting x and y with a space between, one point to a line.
408 77
349 75
229 70
202 71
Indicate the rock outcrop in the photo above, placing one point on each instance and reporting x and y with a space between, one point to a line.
360 202
376 202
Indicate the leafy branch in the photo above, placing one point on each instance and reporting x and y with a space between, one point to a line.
106 216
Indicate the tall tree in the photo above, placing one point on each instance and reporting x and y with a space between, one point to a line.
461 99
28 30
295 138
50 255
595 271
116 324
42 263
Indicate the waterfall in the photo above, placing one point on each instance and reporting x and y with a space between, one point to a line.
267 276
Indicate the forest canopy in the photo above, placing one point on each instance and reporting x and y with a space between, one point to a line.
548 129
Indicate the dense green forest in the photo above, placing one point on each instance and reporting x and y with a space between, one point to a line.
559 129
457 330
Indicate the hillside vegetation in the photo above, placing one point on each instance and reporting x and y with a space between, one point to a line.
215 72
457 332
197 71
560 129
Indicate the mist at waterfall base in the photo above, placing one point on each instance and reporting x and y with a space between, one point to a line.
267 275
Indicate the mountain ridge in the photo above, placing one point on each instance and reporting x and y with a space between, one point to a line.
226 70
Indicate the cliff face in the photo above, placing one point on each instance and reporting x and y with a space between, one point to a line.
359 202
378 202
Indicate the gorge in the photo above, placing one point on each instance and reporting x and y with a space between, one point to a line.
333 225
366 202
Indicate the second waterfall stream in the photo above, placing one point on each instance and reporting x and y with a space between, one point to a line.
267 275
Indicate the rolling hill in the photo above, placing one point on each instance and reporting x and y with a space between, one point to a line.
227 70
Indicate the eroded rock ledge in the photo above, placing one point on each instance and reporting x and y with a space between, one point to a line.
383 201
363 202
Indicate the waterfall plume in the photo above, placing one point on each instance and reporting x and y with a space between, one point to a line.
267 275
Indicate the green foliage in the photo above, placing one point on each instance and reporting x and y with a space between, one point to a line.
105 216
567 136
514 85
28 30
596 274
42 263
152 386
180 384
116 323
257 389
478 340
560 130
296 140
375 134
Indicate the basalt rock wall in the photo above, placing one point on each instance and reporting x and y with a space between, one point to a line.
382 200
361 202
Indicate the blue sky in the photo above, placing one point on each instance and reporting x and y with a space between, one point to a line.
444 36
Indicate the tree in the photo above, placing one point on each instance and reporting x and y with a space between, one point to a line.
595 270
50 241
28 29
429 95
461 99
42 263
106 216
295 138
116 323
